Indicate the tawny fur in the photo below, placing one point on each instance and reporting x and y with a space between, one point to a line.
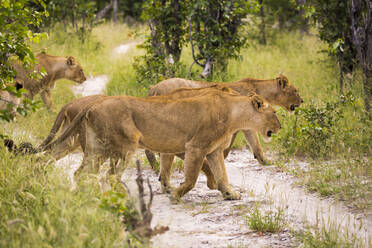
55 68
276 91
199 126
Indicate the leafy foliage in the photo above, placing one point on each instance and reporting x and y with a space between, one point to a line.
163 47
334 28
318 130
78 15
18 19
212 28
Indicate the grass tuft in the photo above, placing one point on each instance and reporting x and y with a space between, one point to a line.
272 221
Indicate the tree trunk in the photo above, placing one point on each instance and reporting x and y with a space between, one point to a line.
361 26
208 69
367 87
173 46
103 12
263 24
115 10
341 67
304 27
73 14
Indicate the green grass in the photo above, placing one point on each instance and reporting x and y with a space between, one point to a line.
269 221
345 180
331 237
37 208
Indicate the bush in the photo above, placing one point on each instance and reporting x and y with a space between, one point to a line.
321 131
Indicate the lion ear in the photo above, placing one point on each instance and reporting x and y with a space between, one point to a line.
70 60
257 103
226 89
283 82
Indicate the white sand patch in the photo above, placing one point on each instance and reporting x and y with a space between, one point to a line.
92 86
124 48
70 163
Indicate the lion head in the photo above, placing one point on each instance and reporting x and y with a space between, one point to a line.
74 71
267 122
288 96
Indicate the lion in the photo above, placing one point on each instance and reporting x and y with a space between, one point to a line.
276 91
200 126
71 109
55 68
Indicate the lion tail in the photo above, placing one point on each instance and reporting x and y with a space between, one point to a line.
70 128
56 126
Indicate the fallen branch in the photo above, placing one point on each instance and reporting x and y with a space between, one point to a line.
143 227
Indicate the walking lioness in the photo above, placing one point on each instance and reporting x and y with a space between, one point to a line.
276 91
199 126
56 68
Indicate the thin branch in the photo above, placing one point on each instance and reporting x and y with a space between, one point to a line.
192 44
189 72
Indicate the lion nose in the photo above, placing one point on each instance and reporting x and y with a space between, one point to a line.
269 133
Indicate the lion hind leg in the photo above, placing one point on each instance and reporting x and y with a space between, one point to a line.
193 163
217 166
166 161
62 149
211 181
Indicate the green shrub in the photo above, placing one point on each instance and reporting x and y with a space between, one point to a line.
323 130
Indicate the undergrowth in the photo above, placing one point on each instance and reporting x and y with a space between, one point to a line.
37 208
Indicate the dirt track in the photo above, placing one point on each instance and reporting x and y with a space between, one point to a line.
204 219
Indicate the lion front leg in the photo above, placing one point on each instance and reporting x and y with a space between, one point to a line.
217 166
254 143
46 96
166 161
193 163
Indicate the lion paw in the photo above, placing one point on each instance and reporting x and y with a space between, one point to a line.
231 195
175 198
167 189
262 160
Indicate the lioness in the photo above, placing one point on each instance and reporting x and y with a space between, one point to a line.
276 91
71 109
56 68
197 126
